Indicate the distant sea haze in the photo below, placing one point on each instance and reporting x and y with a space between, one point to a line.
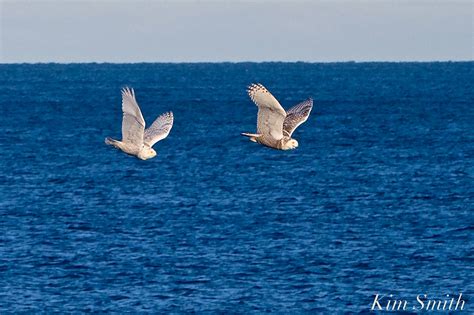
376 199
202 31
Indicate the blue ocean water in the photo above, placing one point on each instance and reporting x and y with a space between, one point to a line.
378 198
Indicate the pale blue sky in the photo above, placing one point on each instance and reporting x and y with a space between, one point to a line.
176 31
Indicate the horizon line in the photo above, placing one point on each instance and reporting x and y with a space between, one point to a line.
233 62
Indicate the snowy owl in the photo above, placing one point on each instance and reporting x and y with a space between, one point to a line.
136 140
274 125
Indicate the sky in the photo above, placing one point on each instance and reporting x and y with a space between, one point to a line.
202 31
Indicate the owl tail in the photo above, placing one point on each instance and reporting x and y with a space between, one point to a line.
111 142
253 136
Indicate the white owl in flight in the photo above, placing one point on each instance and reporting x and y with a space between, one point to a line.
274 125
136 140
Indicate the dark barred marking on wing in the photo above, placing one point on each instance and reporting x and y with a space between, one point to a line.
255 88
160 129
297 115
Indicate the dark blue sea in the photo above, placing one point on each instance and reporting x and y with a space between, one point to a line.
377 199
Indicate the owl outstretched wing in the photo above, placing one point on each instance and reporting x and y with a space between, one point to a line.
133 124
159 130
297 115
271 114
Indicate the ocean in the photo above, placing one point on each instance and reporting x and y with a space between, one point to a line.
377 199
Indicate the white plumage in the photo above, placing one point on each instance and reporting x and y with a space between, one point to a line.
275 126
135 139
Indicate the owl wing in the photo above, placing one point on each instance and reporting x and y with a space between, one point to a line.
297 115
159 130
271 115
133 124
